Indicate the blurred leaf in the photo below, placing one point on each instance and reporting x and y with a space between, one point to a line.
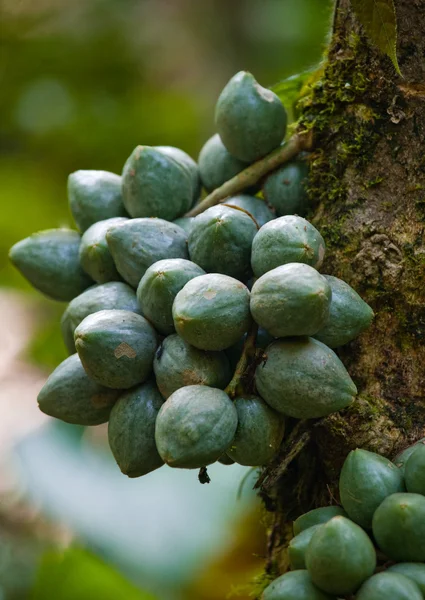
379 20
292 89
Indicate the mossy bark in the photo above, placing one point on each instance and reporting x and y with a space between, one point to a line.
368 187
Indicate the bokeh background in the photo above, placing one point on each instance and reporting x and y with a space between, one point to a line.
82 82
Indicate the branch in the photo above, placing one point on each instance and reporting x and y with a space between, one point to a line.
243 363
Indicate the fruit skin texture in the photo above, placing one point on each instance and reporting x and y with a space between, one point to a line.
289 239
178 364
185 223
94 196
116 348
399 527
415 471
317 516
131 430
70 395
186 161
256 207
259 433
217 165
340 557
211 312
297 547
111 295
285 189
413 571
155 185
295 585
293 299
95 257
303 378
138 243
389 586
195 426
49 261
402 457
160 285
250 119
349 315
220 241
366 480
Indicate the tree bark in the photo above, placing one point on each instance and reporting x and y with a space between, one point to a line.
367 183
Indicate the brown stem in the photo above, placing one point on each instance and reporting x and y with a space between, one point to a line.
243 363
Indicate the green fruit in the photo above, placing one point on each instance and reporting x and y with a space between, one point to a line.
185 223
155 185
195 426
70 395
178 364
340 557
293 299
220 241
254 206
131 430
49 261
138 243
160 285
366 480
187 161
413 571
94 196
211 312
297 547
285 189
226 460
399 527
303 378
402 457
113 294
262 341
95 257
317 516
250 119
296 585
217 165
349 315
116 348
259 433
389 586
415 471
285 240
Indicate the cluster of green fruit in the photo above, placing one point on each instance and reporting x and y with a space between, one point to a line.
333 552
160 304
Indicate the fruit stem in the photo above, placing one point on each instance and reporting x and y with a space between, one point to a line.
252 174
248 351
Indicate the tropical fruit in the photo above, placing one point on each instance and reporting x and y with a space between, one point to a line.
317 516
94 254
185 223
186 161
286 189
295 585
402 457
389 586
415 471
217 165
297 547
49 260
413 571
195 426
254 206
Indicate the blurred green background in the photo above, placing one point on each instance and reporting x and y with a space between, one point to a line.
82 83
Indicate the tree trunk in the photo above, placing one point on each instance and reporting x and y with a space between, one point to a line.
368 185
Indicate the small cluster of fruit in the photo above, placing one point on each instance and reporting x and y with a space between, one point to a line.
333 552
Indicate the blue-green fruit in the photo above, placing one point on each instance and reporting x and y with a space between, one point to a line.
116 347
195 426
297 547
402 457
178 364
250 119
187 161
211 312
303 378
293 299
317 516
138 243
113 294
389 586
70 395
160 285
415 471
399 527
185 223
220 241
94 196
226 460
259 433
155 185
340 557
286 189
217 165
285 240
49 261
413 571
349 315
95 257
254 206
131 430
366 480
295 585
